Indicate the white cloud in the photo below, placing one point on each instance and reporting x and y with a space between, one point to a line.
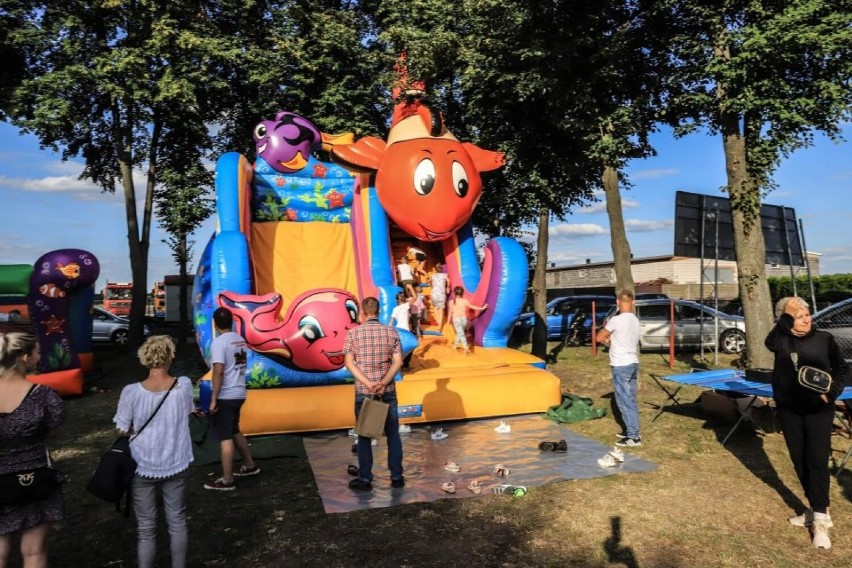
655 174
600 206
577 230
68 183
642 226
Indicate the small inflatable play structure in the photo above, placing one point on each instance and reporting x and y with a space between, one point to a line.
52 299
301 240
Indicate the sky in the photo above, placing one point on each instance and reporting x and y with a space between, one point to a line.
46 207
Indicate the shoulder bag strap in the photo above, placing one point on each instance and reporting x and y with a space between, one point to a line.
156 410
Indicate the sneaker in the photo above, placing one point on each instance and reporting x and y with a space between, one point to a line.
404 429
398 483
803 520
360 485
821 539
452 467
352 433
629 442
503 428
439 434
246 471
621 436
612 459
220 485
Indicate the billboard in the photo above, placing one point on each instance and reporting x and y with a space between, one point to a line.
778 223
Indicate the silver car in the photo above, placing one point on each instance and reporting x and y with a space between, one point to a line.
108 327
836 319
694 326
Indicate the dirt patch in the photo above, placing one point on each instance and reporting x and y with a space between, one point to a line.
705 505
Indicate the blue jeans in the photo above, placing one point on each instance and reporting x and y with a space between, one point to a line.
624 380
365 448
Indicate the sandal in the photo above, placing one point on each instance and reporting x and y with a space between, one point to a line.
475 487
449 487
452 467
352 470
501 470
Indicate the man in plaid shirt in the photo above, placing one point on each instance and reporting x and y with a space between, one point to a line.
374 357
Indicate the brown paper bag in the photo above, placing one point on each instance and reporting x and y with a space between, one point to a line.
371 420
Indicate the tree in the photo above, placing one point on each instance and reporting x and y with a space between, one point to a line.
765 76
107 82
625 82
183 203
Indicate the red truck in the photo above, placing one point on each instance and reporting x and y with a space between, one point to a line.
117 297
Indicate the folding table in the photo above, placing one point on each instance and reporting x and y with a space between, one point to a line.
731 380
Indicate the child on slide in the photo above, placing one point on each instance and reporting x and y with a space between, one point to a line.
401 317
405 275
459 307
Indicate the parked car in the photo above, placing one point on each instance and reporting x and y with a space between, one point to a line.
108 327
836 319
655 321
560 313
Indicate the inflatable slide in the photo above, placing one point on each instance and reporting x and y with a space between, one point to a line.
300 240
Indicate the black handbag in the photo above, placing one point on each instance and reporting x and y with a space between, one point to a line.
22 487
112 478
811 378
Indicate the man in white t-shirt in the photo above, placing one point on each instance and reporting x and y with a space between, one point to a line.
621 333
228 358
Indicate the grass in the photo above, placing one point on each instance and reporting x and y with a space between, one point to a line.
705 505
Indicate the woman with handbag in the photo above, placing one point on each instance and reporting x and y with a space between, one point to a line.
158 408
808 376
28 414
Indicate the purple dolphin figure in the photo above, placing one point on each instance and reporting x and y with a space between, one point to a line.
286 142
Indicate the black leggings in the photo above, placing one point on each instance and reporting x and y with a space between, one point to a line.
808 438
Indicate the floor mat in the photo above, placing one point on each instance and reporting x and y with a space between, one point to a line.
205 449
475 446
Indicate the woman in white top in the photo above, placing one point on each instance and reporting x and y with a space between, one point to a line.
163 450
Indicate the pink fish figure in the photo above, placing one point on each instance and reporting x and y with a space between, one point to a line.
312 332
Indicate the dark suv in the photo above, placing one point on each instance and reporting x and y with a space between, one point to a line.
836 319
560 314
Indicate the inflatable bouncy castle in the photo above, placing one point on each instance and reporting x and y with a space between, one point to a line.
300 241
52 299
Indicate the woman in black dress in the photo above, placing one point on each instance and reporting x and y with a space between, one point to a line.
28 414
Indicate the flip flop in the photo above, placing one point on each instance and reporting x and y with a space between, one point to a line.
448 487
501 470
452 467
352 470
475 487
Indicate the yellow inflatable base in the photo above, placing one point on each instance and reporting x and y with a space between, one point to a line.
442 384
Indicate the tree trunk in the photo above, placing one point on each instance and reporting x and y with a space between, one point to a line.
183 327
748 244
539 286
618 236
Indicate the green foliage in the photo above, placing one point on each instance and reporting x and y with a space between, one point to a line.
59 358
262 379
781 286
782 68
